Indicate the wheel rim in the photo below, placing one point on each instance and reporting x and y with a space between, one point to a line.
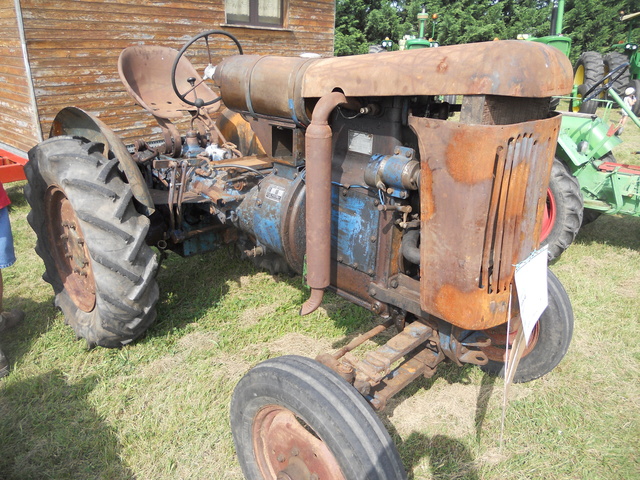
287 448
578 77
575 106
69 250
498 335
548 216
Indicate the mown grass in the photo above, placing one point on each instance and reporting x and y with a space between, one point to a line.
158 409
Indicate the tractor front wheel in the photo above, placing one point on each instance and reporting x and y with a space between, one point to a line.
549 340
563 214
92 241
293 418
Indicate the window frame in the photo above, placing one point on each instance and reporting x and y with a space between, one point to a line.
254 18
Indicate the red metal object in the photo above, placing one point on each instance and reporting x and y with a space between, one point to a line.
548 216
70 253
498 335
285 448
11 167
620 168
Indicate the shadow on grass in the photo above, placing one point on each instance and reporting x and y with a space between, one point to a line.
18 341
49 430
448 458
189 287
615 230
16 194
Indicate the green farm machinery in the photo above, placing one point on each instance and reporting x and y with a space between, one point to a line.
586 180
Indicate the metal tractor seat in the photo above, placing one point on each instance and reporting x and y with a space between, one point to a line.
145 71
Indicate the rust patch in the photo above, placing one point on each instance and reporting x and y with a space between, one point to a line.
442 66
480 211
474 310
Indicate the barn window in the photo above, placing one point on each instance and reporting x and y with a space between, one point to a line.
266 13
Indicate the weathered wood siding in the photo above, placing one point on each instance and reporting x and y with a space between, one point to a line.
74 46
17 126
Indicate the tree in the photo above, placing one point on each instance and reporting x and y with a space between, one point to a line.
591 24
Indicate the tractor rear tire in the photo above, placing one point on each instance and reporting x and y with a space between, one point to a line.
613 60
636 85
565 206
92 241
292 417
549 342
588 71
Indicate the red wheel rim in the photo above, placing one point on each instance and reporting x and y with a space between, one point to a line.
549 216
69 250
287 448
498 335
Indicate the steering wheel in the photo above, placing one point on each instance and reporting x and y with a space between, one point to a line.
208 71
590 94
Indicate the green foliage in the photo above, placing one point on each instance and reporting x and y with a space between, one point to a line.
591 24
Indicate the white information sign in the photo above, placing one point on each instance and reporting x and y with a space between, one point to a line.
360 142
531 285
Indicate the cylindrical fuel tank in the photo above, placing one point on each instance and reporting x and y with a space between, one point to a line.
264 86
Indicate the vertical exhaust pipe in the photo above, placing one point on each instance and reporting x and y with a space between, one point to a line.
318 140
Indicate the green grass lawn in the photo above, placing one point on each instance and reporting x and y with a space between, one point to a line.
158 409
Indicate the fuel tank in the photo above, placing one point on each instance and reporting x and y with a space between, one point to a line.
287 87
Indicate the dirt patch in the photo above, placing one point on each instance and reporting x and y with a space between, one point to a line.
454 410
449 411
246 280
199 340
299 344
251 316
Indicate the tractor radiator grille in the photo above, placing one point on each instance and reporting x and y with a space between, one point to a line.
482 193
506 211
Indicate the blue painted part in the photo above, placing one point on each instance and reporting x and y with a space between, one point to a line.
191 151
392 172
389 169
267 225
262 210
354 222
205 242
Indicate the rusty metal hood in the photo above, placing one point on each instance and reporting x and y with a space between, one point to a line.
507 67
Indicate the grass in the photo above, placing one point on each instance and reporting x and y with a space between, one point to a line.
159 408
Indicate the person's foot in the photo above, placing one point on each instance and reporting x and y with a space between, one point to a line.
10 319
4 365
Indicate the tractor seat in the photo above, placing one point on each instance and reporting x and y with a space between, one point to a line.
145 71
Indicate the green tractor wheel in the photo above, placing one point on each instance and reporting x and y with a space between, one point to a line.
588 70
613 60
636 84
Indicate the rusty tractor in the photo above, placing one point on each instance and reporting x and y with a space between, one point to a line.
344 169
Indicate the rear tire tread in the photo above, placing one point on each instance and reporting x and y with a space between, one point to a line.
123 265
569 209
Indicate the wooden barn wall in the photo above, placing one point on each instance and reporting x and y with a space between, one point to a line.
17 126
74 47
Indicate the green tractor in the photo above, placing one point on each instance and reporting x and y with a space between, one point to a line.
586 181
422 41
592 66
